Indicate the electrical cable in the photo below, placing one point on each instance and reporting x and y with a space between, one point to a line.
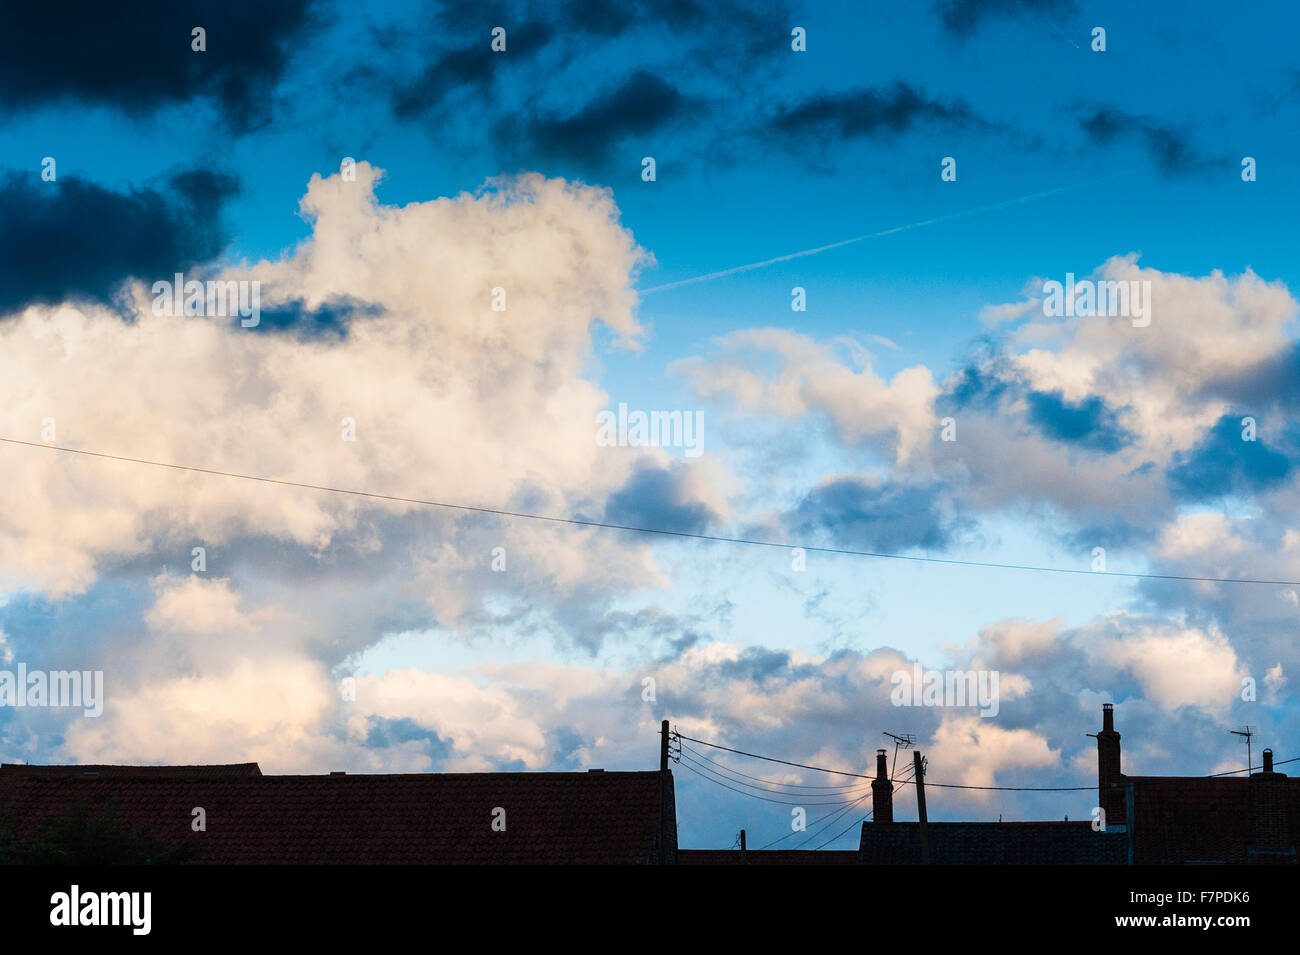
609 525
1021 789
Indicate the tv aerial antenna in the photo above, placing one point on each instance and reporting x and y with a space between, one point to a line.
1248 734
903 741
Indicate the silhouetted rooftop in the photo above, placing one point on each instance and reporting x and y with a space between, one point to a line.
765 857
994 843
219 770
580 817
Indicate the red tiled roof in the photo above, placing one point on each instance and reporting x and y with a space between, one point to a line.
98 769
590 818
1180 819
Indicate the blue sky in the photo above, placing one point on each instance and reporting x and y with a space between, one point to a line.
820 426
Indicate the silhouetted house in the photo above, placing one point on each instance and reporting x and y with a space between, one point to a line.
992 843
1150 820
447 818
1179 820
766 857
92 770
886 842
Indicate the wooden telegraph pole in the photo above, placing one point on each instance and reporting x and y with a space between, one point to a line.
919 779
663 792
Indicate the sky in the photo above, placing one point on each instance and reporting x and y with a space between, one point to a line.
463 259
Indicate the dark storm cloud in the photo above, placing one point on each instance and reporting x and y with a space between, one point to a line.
886 517
472 66
964 17
757 664
656 497
205 190
1168 146
75 239
745 22
530 121
328 320
871 112
989 385
1223 463
640 105
1089 424
1269 383
138 58
601 18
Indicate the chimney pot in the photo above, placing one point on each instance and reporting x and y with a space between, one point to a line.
1111 795
882 791
1270 826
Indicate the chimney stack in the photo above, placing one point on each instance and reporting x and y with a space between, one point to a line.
1110 789
882 791
1268 810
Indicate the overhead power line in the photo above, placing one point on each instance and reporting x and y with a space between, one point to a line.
700 769
821 823
846 787
855 822
1013 789
661 531
704 775
814 823
839 814
818 825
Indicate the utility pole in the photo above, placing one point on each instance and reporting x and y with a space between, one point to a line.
663 793
919 777
742 840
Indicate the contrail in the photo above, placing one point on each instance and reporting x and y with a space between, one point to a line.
876 235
